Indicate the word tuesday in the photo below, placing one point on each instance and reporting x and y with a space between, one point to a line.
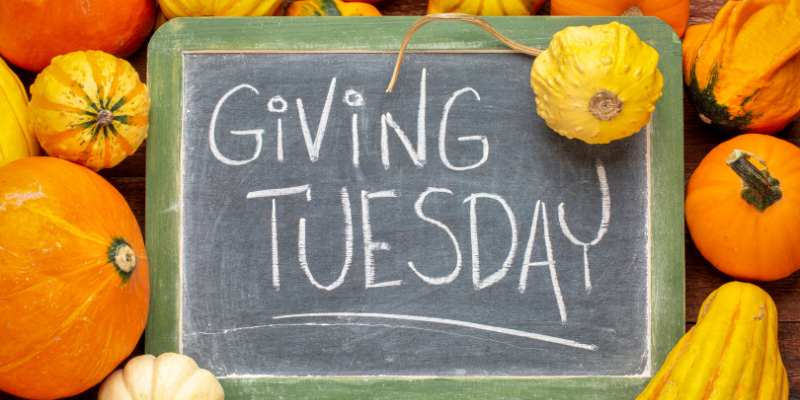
418 156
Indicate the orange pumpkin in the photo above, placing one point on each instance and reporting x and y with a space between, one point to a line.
485 7
748 230
74 278
673 12
34 32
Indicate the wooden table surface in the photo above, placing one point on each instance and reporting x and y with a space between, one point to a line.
701 277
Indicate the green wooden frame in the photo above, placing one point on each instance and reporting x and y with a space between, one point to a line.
165 78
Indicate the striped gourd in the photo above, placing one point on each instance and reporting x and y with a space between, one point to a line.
89 108
732 352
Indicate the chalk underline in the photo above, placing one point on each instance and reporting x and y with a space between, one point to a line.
488 328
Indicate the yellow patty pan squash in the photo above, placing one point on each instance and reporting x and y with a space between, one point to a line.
222 8
742 70
89 108
732 352
485 7
596 84
169 377
331 8
16 140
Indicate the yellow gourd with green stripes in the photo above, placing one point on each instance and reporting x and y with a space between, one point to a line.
89 108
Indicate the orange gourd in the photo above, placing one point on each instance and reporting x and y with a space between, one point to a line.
673 12
485 7
742 70
35 31
74 278
748 230
330 8
89 108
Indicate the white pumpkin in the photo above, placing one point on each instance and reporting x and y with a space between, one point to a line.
169 377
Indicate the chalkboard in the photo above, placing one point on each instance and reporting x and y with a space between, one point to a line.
328 230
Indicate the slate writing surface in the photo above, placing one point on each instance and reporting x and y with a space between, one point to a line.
322 237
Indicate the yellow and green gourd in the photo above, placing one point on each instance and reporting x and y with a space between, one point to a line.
330 8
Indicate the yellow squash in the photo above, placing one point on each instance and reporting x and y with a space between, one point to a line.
596 84
16 140
89 108
743 69
732 352
485 7
223 8
331 8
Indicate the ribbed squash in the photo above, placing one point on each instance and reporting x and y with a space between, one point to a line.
221 8
331 8
485 7
16 140
89 108
748 225
74 278
32 32
732 352
596 84
169 377
673 12
742 70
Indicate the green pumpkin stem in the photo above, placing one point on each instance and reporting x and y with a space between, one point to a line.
477 21
760 188
122 257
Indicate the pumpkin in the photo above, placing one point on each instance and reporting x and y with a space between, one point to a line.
222 8
742 70
731 353
330 8
485 7
747 228
34 32
169 377
89 108
16 140
596 84
75 278
673 12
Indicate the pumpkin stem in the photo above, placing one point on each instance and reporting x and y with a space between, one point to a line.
479 22
760 188
122 256
605 105
105 118
634 11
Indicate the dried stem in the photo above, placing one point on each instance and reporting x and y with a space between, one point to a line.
479 22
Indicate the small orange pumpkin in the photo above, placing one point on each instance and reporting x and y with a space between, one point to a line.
331 8
89 108
74 277
673 12
744 217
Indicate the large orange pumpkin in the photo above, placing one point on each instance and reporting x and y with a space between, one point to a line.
748 230
74 278
673 12
35 31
